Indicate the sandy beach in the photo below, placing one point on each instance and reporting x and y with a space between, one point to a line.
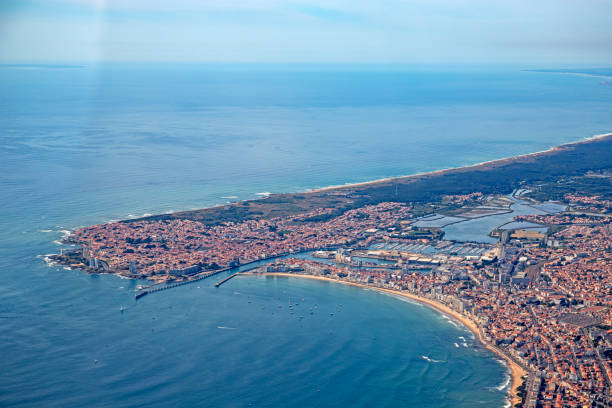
495 162
516 371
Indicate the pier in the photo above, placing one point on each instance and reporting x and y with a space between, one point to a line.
225 280
153 289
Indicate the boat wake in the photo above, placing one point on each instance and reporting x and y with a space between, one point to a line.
431 360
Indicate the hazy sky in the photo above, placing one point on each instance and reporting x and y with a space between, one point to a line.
525 32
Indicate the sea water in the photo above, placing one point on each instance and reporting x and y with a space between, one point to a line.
81 145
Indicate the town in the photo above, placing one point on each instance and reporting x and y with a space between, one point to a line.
542 298
548 307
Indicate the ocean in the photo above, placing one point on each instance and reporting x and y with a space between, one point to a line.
81 145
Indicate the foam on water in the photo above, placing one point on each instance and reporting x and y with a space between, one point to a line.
505 384
452 321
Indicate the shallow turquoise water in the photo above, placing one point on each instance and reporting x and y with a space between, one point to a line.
82 146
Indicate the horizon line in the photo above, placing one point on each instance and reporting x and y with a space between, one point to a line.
92 63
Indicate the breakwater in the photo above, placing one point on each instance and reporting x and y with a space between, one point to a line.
153 289
225 280
158 288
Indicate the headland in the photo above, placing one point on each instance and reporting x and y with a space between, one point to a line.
539 297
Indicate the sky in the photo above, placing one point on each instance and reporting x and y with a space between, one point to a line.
535 33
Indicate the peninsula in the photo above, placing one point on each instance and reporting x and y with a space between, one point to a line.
539 295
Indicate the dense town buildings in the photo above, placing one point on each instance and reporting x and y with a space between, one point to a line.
544 299
548 308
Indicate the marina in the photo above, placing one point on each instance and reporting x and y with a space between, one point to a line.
444 247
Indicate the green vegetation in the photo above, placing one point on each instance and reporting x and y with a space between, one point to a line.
586 185
522 392
550 169
419 233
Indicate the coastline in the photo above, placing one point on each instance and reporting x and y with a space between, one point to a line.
516 371
501 161
490 177
145 216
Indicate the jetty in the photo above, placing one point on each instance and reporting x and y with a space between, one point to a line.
225 280
154 288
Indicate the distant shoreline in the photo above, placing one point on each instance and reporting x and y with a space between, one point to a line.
572 72
499 176
516 371
466 167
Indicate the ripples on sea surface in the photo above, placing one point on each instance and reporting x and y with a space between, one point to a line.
80 146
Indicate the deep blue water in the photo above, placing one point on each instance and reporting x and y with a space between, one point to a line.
80 146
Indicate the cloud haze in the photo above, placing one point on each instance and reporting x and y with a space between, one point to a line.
546 32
